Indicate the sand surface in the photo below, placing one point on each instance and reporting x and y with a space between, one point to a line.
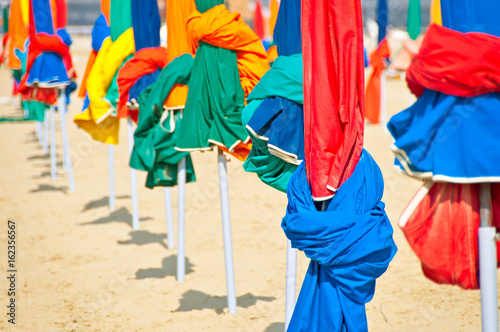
82 268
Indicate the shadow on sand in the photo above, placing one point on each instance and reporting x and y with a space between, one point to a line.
196 300
120 215
97 203
47 187
168 268
275 327
145 237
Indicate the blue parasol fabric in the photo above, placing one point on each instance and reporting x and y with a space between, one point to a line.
431 138
471 15
287 31
100 31
48 71
142 83
350 245
382 19
146 23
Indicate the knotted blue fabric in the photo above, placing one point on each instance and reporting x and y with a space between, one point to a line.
350 245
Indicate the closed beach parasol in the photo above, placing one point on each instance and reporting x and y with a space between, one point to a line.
348 236
448 137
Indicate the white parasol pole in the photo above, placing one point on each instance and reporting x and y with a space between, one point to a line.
133 180
61 106
487 263
39 132
291 282
111 176
383 99
52 126
169 217
45 132
226 231
181 230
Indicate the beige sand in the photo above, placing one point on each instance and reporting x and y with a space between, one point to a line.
81 268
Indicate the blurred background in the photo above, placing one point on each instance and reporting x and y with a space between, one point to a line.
82 13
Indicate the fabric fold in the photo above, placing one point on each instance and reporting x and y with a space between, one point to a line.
455 63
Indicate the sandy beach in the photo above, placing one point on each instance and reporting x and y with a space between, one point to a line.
82 268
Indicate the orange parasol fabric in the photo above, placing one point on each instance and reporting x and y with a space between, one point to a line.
18 30
373 87
273 8
178 13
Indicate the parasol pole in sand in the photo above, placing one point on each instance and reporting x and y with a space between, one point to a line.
291 282
45 132
487 263
226 230
181 230
39 132
52 129
169 217
383 99
133 180
61 106
111 176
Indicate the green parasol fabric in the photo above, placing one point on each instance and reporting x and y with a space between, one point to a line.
36 110
204 5
215 100
6 11
414 19
214 103
157 130
120 17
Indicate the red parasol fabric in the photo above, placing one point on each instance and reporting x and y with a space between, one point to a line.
258 21
145 61
456 63
61 14
333 104
448 251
